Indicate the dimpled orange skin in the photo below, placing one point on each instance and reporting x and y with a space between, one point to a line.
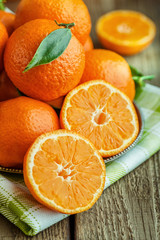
8 20
88 44
49 81
111 67
3 41
65 11
22 120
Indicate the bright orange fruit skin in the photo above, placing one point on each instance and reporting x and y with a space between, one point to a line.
111 67
3 41
64 11
88 44
22 120
7 89
45 82
56 103
126 32
8 20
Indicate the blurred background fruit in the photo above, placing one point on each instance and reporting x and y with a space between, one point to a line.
126 32
111 67
8 20
49 81
64 11
22 120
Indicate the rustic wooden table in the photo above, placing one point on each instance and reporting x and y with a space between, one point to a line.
129 209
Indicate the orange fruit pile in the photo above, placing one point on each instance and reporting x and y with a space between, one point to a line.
103 114
111 67
64 171
50 58
126 32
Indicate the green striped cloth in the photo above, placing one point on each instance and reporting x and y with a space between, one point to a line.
17 204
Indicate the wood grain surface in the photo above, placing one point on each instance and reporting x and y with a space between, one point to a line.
129 209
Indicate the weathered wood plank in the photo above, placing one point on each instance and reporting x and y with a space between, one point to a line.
59 231
130 209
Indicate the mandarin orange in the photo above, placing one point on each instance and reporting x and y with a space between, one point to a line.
88 44
111 67
7 89
64 11
22 120
49 81
56 103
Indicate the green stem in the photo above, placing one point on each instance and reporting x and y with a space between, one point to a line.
140 80
66 25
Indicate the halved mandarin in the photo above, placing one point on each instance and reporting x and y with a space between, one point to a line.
103 114
126 32
64 171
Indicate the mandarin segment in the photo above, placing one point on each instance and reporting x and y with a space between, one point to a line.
83 104
71 185
78 114
111 126
99 95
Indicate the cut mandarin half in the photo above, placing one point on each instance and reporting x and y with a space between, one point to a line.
103 114
64 171
126 32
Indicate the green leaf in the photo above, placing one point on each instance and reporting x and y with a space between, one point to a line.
2 7
135 72
139 78
51 48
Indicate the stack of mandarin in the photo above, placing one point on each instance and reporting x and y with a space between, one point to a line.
48 62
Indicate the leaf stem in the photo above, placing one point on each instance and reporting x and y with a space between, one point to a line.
66 25
139 78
